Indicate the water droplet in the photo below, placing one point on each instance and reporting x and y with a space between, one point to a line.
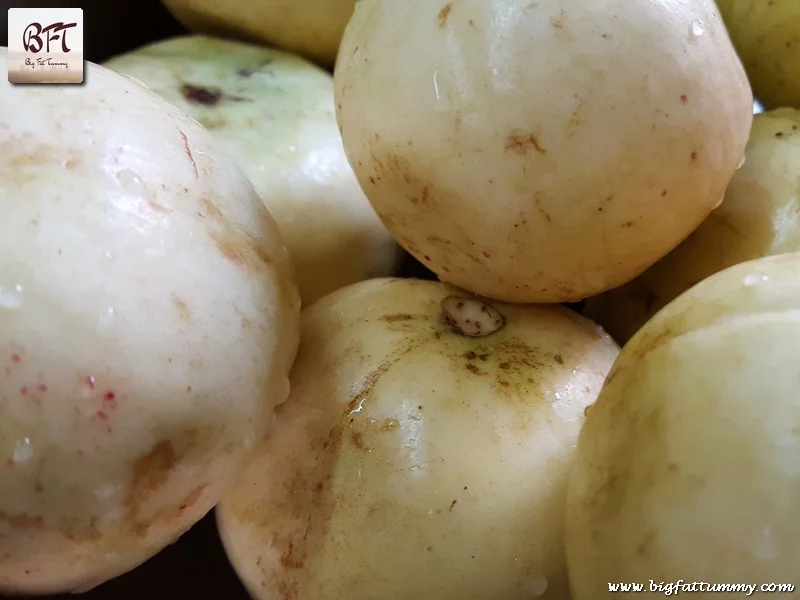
698 28
12 297
538 586
107 317
131 183
765 547
754 279
359 407
22 451
436 92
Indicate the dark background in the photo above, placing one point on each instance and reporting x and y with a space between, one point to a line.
110 26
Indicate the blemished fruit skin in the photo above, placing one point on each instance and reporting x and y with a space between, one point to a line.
148 322
423 451
766 34
310 28
757 218
687 465
541 151
274 114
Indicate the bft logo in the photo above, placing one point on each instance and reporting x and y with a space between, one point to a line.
45 45
32 37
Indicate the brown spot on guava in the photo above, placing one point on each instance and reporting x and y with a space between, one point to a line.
241 250
444 14
647 543
368 385
148 474
520 144
397 317
22 520
183 309
358 440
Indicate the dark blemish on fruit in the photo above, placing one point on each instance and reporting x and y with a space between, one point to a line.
204 96
664 193
291 557
504 366
102 415
358 440
486 255
149 472
470 355
211 209
605 36
694 156
444 14
246 254
559 359
542 211
452 505
372 180
183 308
473 369
504 383
22 520
16 358
684 98
426 257
396 318
41 387
23 391
628 224
192 498
646 543
370 381
779 134
188 152
520 144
